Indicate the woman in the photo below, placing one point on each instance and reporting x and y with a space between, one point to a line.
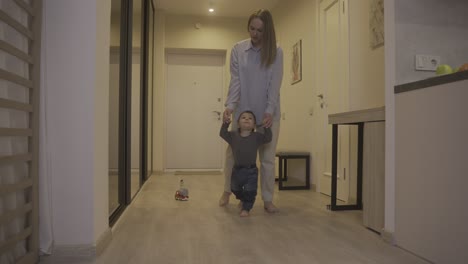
256 76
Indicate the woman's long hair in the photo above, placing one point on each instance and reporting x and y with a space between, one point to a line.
268 52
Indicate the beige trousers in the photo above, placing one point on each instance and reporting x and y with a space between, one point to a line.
267 157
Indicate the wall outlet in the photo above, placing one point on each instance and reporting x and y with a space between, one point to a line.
426 62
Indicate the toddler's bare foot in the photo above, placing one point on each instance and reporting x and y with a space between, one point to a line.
239 205
224 198
244 213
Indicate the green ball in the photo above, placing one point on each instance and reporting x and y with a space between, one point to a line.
444 69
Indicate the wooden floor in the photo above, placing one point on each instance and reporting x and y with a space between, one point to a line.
155 228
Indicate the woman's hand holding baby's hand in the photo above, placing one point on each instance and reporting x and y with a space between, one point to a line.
267 120
227 115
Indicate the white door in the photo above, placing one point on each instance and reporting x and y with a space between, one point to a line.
333 91
194 105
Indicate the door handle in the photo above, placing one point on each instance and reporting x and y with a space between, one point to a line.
218 113
322 102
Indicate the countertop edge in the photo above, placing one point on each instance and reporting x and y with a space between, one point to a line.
358 116
438 80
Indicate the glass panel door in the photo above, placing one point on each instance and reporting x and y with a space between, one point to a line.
150 52
136 96
129 129
114 106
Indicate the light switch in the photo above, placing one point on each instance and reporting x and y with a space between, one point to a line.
426 62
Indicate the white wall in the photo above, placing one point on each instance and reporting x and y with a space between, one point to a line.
76 82
430 27
215 33
115 29
176 31
159 91
389 221
430 166
367 65
297 99
300 129
366 75
296 21
101 117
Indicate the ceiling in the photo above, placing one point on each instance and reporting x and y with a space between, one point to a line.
223 8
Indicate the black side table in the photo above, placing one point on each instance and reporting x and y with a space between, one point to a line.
283 157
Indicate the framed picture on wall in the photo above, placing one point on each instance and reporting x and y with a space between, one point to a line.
376 23
296 63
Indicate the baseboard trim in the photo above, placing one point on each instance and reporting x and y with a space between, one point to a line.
388 237
103 241
313 187
198 172
158 172
70 253
78 253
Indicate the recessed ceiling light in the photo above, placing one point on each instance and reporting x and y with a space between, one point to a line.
211 10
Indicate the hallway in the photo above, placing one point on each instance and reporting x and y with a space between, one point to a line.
155 228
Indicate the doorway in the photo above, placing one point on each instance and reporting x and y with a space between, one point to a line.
195 84
333 91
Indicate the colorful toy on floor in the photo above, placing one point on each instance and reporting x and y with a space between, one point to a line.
182 193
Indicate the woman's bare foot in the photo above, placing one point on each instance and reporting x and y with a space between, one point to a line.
270 207
244 213
224 198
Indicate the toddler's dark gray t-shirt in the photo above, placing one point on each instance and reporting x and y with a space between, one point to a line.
245 149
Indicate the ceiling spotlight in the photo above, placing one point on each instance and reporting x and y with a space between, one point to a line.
211 10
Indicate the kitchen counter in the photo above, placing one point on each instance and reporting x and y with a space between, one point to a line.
437 80
431 164
370 174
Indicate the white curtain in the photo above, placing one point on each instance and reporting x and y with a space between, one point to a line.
14 172
46 234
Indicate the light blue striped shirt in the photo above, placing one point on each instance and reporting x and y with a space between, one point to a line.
254 87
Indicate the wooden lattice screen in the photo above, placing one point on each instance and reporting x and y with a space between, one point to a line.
20 32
